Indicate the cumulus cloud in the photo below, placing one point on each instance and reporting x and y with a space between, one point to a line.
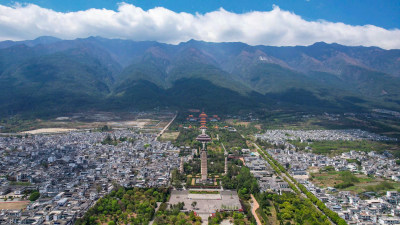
276 27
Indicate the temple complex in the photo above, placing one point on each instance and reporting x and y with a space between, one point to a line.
204 193
203 118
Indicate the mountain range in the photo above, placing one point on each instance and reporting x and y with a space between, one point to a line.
48 76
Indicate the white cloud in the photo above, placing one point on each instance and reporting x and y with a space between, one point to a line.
276 27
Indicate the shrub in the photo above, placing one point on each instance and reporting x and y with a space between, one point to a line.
34 196
344 185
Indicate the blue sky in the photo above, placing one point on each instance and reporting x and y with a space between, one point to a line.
382 13
255 22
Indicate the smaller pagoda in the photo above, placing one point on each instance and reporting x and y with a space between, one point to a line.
203 120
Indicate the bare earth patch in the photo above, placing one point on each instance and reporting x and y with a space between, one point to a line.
13 205
48 130
133 123
302 177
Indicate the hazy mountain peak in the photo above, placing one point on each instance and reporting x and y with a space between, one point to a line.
320 44
47 39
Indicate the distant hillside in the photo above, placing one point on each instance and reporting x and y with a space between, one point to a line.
48 75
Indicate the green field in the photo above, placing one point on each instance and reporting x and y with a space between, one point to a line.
356 183
295 120
338 147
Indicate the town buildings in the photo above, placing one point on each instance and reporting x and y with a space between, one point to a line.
354 209
71 171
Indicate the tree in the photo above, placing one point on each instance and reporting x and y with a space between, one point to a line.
194 204
105 128
34 196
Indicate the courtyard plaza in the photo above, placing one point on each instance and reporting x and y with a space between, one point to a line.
207 204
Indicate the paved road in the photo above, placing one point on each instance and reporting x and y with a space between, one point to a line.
223 146
166 127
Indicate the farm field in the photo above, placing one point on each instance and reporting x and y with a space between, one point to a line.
338 147
355 183
169 136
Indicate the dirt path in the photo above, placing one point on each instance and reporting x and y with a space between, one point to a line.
155 211
254 207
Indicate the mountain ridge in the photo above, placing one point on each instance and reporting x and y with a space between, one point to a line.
98 71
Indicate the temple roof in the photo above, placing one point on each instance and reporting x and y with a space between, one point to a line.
203 138
203 115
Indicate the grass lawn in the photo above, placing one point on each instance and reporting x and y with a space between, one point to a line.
261 216
297 124
268 215
375 187
21 183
